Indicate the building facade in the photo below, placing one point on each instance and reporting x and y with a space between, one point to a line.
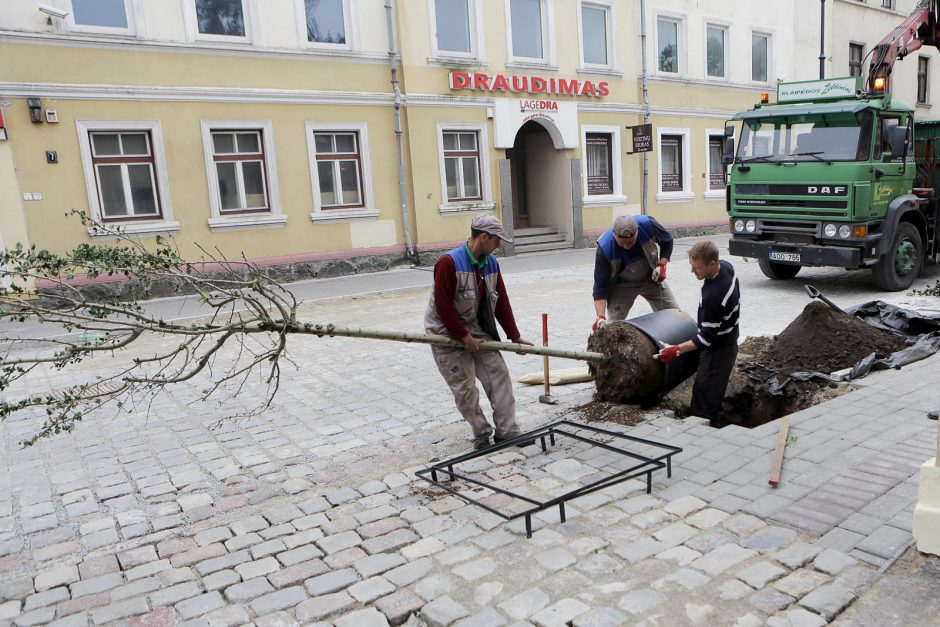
274 129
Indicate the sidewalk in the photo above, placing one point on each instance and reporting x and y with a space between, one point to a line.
313 513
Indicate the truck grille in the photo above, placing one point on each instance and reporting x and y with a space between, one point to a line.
817 209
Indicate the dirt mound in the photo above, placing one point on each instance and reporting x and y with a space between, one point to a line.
822 339
631 374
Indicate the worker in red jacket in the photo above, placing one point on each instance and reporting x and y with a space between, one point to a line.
467 300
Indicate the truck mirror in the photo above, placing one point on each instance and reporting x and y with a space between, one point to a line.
898 139
727 153
729 130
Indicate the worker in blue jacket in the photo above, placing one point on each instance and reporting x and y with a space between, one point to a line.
631 261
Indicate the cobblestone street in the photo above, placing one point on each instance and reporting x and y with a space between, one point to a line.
312 512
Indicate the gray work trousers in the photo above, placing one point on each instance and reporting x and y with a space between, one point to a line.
461 370
634 280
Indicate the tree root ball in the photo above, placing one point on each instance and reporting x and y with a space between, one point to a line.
630 375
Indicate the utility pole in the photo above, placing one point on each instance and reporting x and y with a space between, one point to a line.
822 39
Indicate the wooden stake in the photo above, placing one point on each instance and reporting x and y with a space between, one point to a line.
777 464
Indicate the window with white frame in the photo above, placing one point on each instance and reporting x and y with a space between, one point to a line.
242 173
339 170
103 16
675 179
760 57
462 166
596 35
602 181
667 49
125 174
528 22
325 22
716 169
220 18
716 51
856 54
454 27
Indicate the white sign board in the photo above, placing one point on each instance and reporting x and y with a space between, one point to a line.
560 119
827 89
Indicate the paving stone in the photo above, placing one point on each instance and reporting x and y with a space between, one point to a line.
297 573
638 550
345 558
41 616
832 562
57 576
93 585
525 604
339 542
797 555
684 506
685 577
551 560
322 607
407 574
707 518
277 531
340 496
680 555
210 536
733 590
855 578
202 604
390 541
840 539
96 566
248 590
371 589
331 582
885 542
243 541
724 557
675 534
16 588
798 617
750 620
828 600
711 539
423 548
770 601
279 600
147 570
302 538
221 563
249 524
174 594
650 519
600 617
174 546
398 606
743 525
135 588
770 539
119 610
46 598
228 616
269 548
369 617
377 564
258 568
300 554
10 609
760 574
220 580
99 539
314 505
197 555
641 601
443 611
138 556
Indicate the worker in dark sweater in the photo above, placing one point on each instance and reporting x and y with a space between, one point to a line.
717 337
631 261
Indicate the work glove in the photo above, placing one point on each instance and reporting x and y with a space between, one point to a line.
598 323
659 273
668 354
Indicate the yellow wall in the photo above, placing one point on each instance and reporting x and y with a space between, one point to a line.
12 216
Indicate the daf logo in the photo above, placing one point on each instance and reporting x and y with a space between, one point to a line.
836 190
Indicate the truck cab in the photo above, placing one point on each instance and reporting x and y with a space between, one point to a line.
826 177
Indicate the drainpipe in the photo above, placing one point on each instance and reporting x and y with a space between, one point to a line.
822 39
646 104
402 194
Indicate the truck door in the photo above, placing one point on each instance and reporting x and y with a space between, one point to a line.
892 182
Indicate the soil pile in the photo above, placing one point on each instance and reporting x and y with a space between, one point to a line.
822 339
630 374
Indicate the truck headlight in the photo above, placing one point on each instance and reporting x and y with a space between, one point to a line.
739 225
844 231
751 226
830 230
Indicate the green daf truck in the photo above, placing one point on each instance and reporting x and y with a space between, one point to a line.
834 175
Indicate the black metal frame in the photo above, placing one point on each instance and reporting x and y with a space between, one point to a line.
646 466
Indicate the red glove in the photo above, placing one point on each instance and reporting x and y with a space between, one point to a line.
598 323
668 354
659 273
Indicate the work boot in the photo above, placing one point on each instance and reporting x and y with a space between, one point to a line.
933 415
481 443
522 444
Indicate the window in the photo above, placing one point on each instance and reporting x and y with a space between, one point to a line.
527 21
716 38
922 79
716 170
887 4
125 175
339 172
462 166
241 173
675 171
601 173
856 54
454 30
325 22
595 34
667 37
102 16
760 50
220 18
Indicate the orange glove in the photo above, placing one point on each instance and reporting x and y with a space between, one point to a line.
598 323
659 273
668 354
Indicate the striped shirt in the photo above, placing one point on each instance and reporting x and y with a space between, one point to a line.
718 309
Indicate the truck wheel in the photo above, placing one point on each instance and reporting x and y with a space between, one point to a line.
900 265
778 271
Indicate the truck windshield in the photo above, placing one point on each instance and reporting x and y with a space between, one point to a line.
806 138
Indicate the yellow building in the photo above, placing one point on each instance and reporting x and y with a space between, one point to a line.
273 129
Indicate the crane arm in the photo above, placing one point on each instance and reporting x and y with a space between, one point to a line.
919 28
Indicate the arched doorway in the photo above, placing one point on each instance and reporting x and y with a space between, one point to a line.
541 190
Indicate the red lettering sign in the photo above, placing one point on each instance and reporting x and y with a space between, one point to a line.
480 81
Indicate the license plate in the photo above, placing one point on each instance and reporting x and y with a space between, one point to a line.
794 257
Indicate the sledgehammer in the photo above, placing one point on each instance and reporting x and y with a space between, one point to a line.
546 398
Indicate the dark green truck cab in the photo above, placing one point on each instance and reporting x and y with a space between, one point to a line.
831 176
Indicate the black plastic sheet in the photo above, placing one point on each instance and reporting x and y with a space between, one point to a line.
921 328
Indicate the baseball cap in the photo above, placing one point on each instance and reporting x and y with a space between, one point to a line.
492 225
624 226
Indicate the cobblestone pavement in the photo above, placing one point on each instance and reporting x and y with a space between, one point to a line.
313 512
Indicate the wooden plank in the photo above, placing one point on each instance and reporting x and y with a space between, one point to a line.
777 465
